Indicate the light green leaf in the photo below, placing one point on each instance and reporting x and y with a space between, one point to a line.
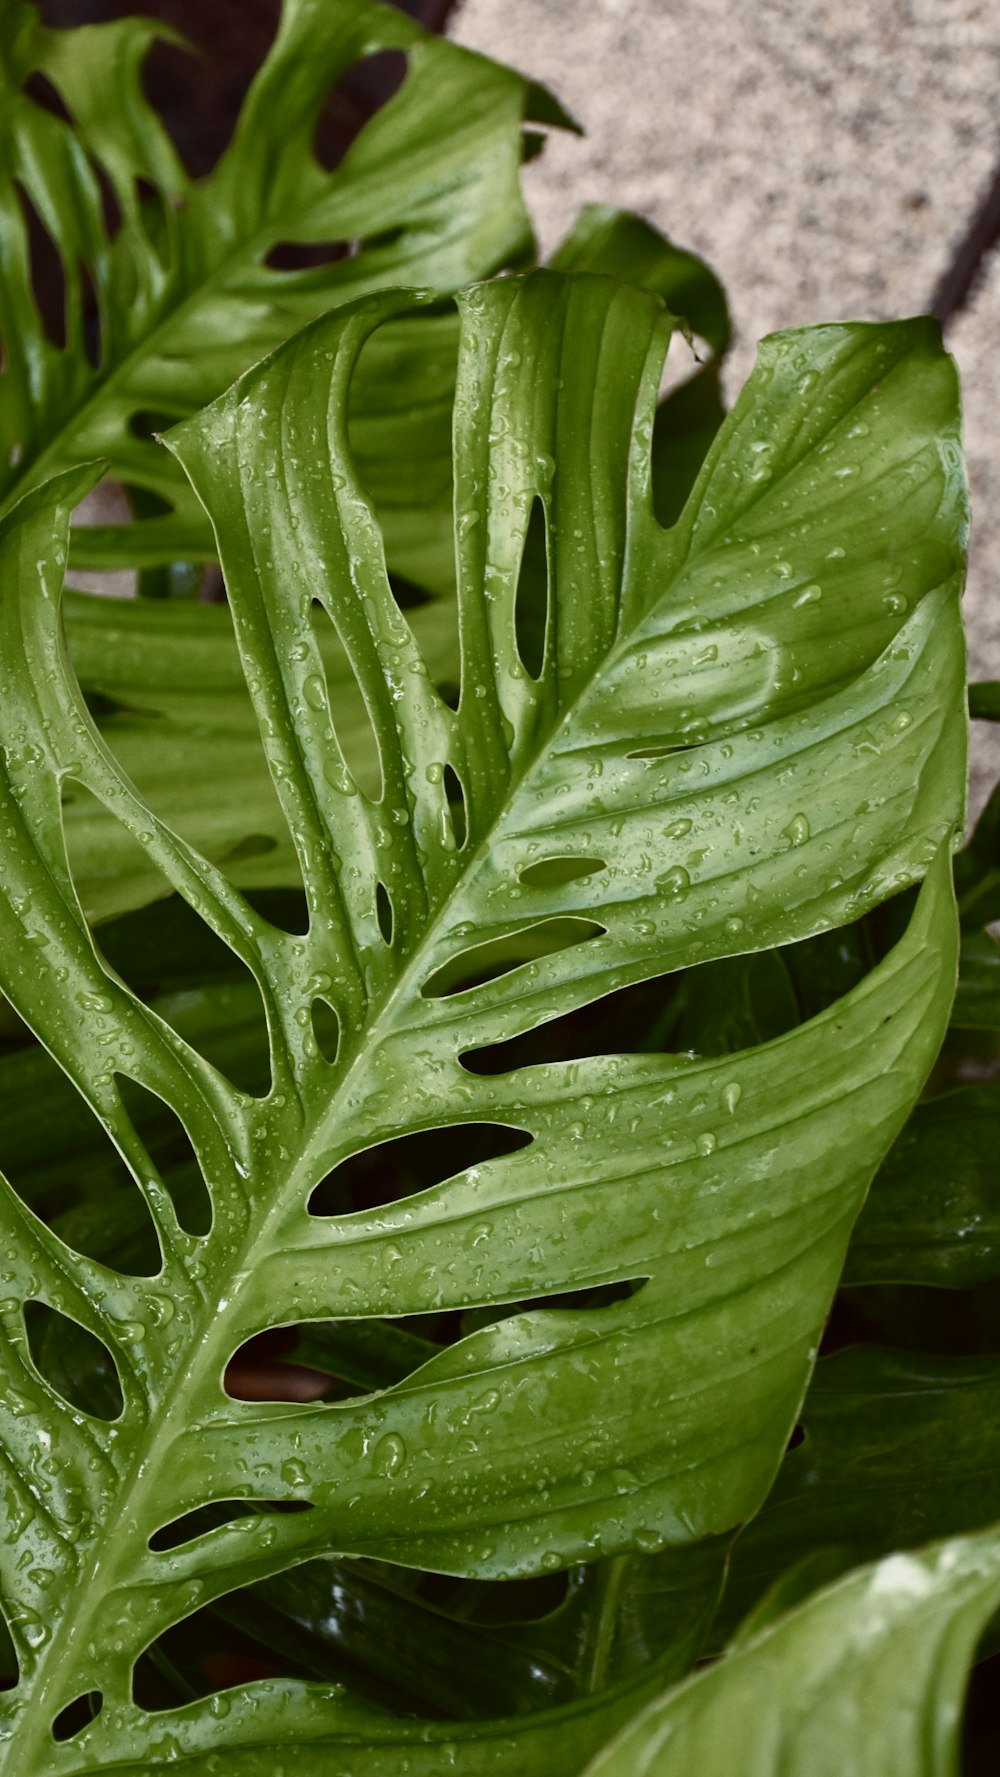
866 1680
739 735
185 299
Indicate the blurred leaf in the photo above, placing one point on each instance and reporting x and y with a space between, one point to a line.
864 1680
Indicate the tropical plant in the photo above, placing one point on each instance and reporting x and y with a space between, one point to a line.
432 1144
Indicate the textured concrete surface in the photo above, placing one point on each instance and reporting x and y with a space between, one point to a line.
825 158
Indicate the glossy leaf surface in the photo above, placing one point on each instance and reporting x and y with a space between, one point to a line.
737 734
866 1680
166 685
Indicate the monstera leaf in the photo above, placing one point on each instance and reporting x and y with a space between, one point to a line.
166 683
672 747
161 313
866 1680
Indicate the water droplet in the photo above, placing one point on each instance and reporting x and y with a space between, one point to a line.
674 881
677 829
294 1475
810 595
797 830
706 1144
95 1002
389 1455
314 692
623 1480
732 926
731 1096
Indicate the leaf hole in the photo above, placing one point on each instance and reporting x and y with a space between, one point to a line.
61 1160
210 1651
633 1020
73 1361
77 1715
198 96
111 210
264 1369
361 92
296 256
90 312
591 1299
665 750
407 1164
46 96
326 1030
145 424
169 1147
383 912
112 871
199 1521
10 1671
187 706
399 419
455 792
46 270
531 601
407 594
557 872
501 956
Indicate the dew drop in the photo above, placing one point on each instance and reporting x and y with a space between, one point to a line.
623 1480
731 1096
314 692
797 830
674 881
389 1455
94 1002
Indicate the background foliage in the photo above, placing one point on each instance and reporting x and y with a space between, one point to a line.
577 752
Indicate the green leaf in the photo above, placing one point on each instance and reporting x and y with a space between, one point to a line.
623 246
977 997
166 686
171 699
738 736
984 700
184 297
866 1680
933 1213
898 1448
977 870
